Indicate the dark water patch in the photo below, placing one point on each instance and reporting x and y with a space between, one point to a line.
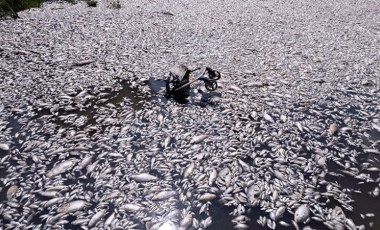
3 174
305 152
263 146
254 215
363 204
70 178
359 191
158 86
79 177
221 218
374 135
3 153
52 162
3 191
12 161
352 110
134 96
69 225
37 218
14 125
158 89
182 101
92 132
126 95
248 160
29 161
155 173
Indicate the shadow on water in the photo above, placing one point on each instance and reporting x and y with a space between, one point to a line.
157 85
128 95
221 218
158 89
135 97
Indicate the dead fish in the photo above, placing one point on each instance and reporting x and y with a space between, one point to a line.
167 13
51 194
376 192
132 207
350 224
268 117
255 84
302 214
253 114
283 223
321 161
279 212
90 168
61 168
376 126
72 206
186 221
373 151
333 129
12 191
96 217
168 225
299 126
226 111
160 118
206 223
163 195
144 177
86 161
207 197
373 169
80 221
13 204
189 170
213 176
279 175
4 146
53 201
241 226
82 63
113 195
167 142
54 219
235 88
283 118
198 139
109 220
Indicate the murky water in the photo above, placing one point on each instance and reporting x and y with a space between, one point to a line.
361 193
126 95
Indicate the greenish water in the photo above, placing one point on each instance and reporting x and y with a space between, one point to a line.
11 7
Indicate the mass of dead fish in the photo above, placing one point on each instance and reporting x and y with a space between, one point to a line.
290 140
